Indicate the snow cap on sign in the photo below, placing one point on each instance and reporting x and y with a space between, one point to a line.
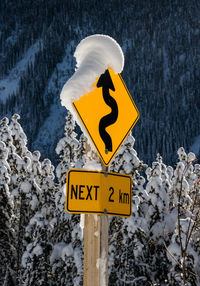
93 55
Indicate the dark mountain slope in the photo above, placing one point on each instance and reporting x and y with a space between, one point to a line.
160 39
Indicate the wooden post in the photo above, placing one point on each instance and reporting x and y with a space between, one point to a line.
95 248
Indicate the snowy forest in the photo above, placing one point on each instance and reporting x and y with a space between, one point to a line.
42 244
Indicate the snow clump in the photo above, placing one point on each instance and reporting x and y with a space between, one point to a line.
94 55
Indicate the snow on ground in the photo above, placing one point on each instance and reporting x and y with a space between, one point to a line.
10 84
94 55
195 148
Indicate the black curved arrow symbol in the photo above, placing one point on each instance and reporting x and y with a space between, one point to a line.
106 83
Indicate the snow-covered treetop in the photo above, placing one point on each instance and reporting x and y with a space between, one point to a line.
94 55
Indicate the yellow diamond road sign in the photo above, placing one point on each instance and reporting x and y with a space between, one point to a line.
108 114
98 193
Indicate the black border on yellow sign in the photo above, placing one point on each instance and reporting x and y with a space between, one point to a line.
107 163
95 212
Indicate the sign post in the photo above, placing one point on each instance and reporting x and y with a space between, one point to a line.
95 246
108 114
95 250
98 193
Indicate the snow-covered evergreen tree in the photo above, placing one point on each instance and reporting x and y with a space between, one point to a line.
38 233
27 197
7 234
5 135
36 172
67 249
182 252
126 161
19 137
81 153
35 268
126 237
67 149
24 190
159 221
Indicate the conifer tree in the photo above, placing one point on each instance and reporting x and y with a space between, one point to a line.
19 137
126 236
67 149
67 237
159 220
80 156
185 193
126 161
7 234
5 135
27 197
36 166
35 264
38 233
24 190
